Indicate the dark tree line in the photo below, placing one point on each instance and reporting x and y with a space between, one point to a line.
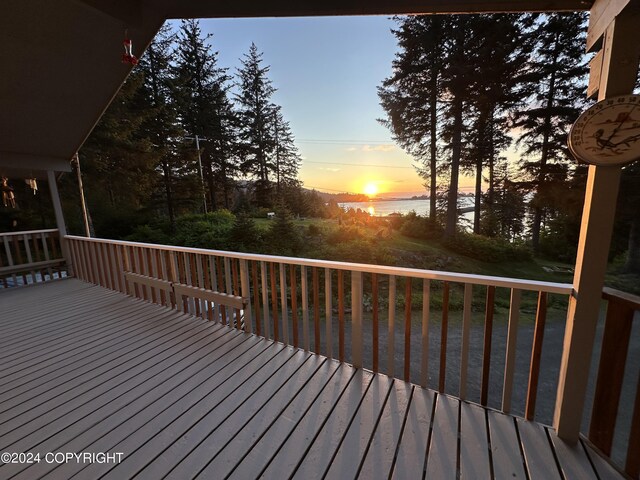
465 88
143 153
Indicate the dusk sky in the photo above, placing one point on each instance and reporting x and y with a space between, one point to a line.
326 71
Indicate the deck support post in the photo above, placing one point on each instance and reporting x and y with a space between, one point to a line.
57 210
617 77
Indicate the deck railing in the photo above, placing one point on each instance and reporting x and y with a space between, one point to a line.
30 257
478 337
614 425
418 325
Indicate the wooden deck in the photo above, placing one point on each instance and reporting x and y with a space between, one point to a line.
85 369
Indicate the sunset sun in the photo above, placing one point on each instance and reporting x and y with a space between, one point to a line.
370 189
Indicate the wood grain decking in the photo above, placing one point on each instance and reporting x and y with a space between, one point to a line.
85 369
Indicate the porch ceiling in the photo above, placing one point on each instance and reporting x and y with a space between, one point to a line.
61 60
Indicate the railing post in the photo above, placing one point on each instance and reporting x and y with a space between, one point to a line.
57 210
617 77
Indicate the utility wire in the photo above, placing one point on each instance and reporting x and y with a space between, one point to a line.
356 164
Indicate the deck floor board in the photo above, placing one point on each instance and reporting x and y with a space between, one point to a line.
85 369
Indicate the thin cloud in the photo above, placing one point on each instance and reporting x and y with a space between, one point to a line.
378 148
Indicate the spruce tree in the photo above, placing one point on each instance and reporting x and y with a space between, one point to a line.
287 158
201 92
162 126
256 118
410 96
554 86
500 57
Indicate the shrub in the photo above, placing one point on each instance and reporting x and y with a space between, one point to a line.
148 234
492 250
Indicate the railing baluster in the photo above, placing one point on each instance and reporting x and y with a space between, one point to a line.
512 345
27 249
274 301
4 278
443 337
142 270
328 314
426 304
613 358
245 291
316 309
204 308
82 253
105 266
162 274
356 319
632 466
172 270
283 305
304 294
407 329
228 288
153 270
341 325
391 357
234 288
256 296
18 255
193 280
534 370
148 271
97 263
220 287
214 285
182 275
486 354
45 250
466 329
113 249
375 314
294 304
95 269
74 259
265 298
7 251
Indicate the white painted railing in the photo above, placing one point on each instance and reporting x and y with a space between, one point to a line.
378 317
30 257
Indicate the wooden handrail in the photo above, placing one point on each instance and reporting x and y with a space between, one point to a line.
521 284
28 232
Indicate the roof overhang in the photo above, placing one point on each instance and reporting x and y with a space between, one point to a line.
61 59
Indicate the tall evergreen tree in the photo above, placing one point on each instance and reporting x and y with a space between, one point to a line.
554 86
500 58
459 78
201 91
287 158
162 126
410 96
256 117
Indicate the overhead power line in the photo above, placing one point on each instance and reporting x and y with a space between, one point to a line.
342 141
356 164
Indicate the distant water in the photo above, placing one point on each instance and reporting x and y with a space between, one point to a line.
382 208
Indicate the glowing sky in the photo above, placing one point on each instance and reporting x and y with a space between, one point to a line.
326 71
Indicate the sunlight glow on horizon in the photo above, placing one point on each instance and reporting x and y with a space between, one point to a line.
370 189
